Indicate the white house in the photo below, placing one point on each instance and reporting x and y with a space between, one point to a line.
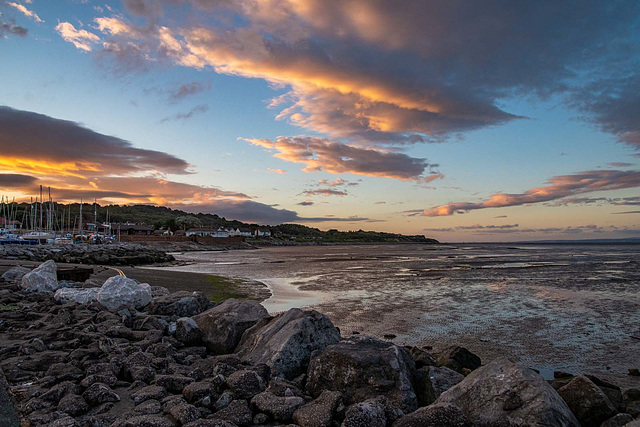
263 232
204 231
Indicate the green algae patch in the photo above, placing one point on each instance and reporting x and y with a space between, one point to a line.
223 288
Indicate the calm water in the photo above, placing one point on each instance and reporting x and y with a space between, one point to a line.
568 307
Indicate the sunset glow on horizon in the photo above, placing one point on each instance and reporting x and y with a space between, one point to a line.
462 121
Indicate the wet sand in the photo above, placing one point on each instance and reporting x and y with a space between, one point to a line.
553 308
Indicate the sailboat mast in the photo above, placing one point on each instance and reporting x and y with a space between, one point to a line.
80 219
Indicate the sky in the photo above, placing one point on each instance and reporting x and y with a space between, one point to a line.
458 120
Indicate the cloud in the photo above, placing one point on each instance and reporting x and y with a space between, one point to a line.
278 171
306 203
325 192
10 27
620 164
188 89
13 180
198 109
319 154
25 11
500 216
39 144
514 229
81 39
559 187
379 203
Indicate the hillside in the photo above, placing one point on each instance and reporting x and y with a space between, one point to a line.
163 218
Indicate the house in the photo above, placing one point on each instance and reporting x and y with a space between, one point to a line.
245 232
262 232
130 229
10 225
234 232
207 231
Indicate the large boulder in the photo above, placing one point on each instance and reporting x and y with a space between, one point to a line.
43 278
507 393
285 343
435 416
362 367
587 401
118 292
80 296
375 412
181 304
320 412
222 326
435 380
15 274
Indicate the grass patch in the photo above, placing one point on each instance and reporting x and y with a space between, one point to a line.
223 288
9 307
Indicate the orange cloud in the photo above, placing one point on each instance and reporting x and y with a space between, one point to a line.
559 187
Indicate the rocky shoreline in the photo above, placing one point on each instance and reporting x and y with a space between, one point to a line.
131 354
111 254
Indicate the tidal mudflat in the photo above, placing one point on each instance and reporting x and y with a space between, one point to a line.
574 308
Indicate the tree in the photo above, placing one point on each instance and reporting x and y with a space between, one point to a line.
187 221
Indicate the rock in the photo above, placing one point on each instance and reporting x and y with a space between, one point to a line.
149 421
98 393
120 292
423 358
63 422
64 372
80 296
148 407
223 326
631 402
73 405
280 408
43 279
587 402
245 384
458 358
612 391
376 412
187 331
8 411
286 342
197 391
363 367
224 400
618 420
180 304
185 413
506 393
210 423
237 412
435 416
15 274
173 383
143 373
438 380
319 412
150 392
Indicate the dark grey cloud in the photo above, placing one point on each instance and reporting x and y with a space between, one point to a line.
325 192
16 181
620 164
198 109
306 203
35 137
626 212
244 210
10 27
188 89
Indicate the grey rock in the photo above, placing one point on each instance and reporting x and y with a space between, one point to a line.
631 401
440 379
319 412
435 416
187 331
286 342
185 413
587 402
98 393
618 420
245 384
42 279
120 292
459 359
237 412
73 405
223 326
507 393
224 400
376 412
79 296
64 372
15 274
149 421
196 391
173 383
280 408
180 304
150 392
363 367
148 407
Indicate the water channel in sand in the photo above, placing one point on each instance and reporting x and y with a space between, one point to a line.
564 307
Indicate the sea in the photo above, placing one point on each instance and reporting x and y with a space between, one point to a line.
554 307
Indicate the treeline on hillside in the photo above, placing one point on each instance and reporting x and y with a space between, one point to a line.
163 218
